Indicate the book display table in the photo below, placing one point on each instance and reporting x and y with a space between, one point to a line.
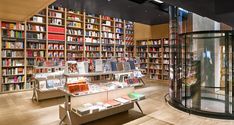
80 109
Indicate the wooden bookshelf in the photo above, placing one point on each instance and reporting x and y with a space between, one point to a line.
59 34
35 43
119 37
56 37
75 22
129 38
154 56
13 56
92 36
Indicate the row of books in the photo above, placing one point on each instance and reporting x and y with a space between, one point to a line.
75 47
92 27
31 53
36 28
14 79
74 32
74 17
56 47
107 29
108 41
106 23
74 55
13 71
12 26
55 14
13 33
13 45
12 62
108 48
56 22
40 36
13 87
107 35
92 48
52 54
11 53
92 34
93 54
107 54
74 24
74 39
37 19
92 20
36 45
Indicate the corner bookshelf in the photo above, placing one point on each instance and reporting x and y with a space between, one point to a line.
107 36
119 37
35 42
13 54
75 35
56 33
129 38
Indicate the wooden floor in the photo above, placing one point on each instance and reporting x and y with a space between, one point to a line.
18 109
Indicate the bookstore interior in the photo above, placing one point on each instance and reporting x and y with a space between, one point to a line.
93 60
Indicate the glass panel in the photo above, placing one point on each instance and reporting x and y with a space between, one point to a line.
207 72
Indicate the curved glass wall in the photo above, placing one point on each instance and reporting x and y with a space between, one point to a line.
202 73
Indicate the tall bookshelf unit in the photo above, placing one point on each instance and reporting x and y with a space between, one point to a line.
35 42
56 33
129 38
75 35
154 56
59 34
107 37
119 37
13 56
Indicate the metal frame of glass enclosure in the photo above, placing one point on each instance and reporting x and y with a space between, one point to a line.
202 73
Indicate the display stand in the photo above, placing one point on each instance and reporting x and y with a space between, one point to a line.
69 116
38 93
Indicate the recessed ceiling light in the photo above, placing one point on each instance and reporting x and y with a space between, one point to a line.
158 1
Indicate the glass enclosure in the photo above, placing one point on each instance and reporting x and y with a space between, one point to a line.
203 73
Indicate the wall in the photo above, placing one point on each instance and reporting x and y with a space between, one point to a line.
142 31
160 31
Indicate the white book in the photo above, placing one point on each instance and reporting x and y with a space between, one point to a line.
82 67
98 65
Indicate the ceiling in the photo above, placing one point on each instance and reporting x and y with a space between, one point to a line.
21 10
147 12
219 10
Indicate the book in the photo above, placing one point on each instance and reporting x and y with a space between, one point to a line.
120 66
112 103
122 100
98 65
71 67
138 96
82 67
113 66
127 66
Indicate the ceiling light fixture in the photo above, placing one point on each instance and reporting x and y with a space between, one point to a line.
158 1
